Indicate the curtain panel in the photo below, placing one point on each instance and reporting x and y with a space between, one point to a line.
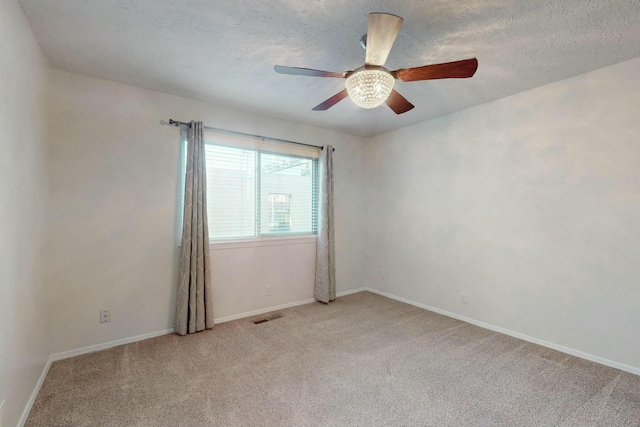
194 311
325 285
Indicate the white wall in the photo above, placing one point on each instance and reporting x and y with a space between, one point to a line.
114 207
24 347
530 204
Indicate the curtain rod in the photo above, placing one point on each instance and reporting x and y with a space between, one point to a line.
234 132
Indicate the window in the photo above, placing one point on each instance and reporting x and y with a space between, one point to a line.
257 189
279 212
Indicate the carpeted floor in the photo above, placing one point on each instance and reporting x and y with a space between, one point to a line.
363 360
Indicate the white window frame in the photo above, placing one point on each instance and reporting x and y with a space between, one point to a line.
258 145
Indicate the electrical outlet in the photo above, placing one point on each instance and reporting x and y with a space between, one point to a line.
267 290
464 297
105 316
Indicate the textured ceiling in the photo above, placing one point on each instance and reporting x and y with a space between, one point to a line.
224 50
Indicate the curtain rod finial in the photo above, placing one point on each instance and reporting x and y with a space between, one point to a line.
177 123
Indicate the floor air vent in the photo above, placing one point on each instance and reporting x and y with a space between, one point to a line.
266 319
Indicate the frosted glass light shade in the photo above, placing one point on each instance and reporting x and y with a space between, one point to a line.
369 88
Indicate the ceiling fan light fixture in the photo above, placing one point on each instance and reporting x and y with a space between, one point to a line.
369 88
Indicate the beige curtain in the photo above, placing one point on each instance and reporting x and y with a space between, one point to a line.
325 290
195 305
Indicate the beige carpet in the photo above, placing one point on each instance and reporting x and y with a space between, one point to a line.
363 360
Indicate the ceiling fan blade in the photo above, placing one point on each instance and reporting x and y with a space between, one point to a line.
398 103
331 101
449 70
382 32
307 72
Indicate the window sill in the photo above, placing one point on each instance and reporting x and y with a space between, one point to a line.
262 241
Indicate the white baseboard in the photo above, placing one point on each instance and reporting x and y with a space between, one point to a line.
106 345
278 307
261 311
524 337
34 394
351 291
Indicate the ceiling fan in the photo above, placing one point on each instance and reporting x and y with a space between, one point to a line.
371 85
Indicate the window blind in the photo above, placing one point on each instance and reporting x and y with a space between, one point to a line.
254 191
